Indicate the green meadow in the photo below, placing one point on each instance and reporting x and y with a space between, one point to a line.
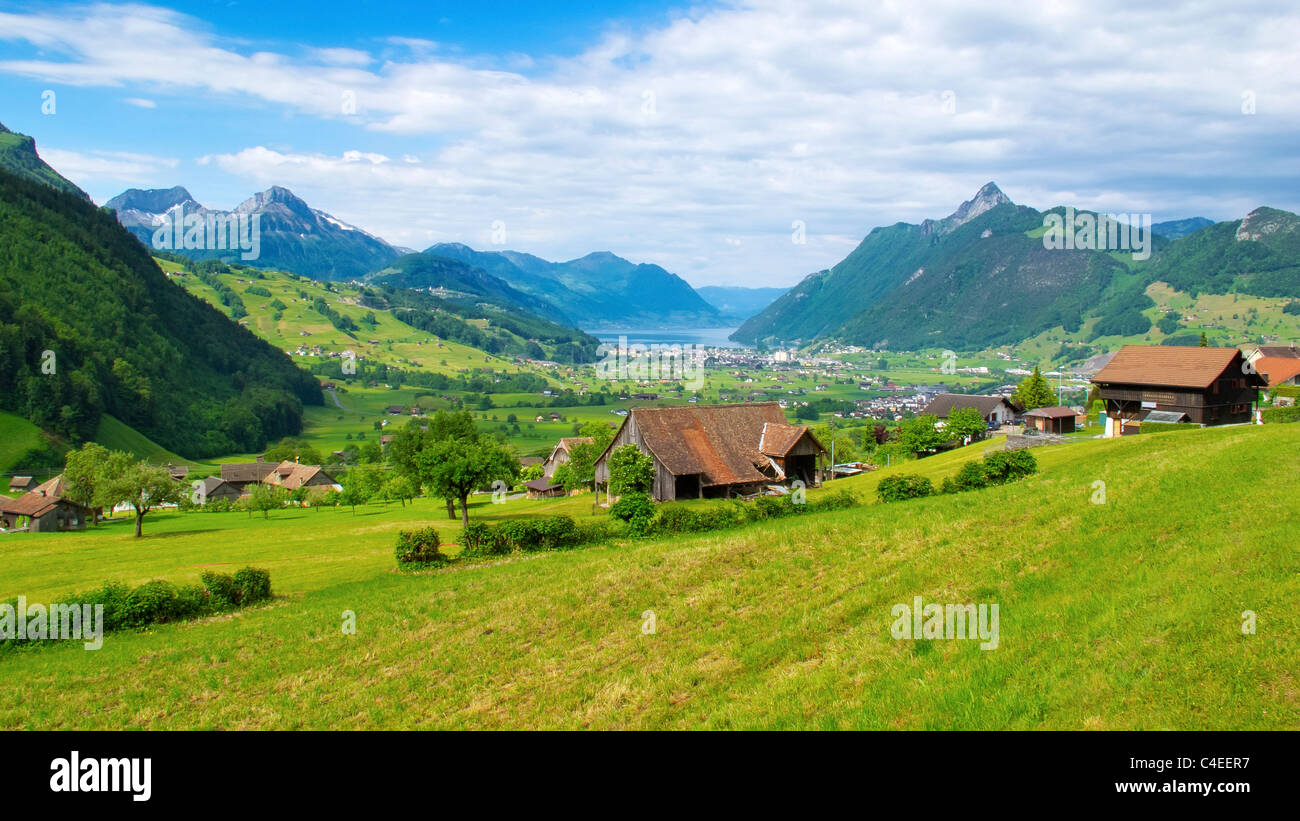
1120 615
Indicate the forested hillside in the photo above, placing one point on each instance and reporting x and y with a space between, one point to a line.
89 324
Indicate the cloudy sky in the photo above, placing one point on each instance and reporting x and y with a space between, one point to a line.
692 136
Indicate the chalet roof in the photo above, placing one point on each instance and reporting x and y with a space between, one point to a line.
945 403
718 442
34 504
212 483
52 487
1277 369
777 439
19 482
246 471
1174 366
1280 351
1054 412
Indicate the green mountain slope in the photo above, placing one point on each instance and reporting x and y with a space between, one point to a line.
457 280
1258 255
18 156
89 325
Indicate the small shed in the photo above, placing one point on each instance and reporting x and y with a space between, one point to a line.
543 489
1056 419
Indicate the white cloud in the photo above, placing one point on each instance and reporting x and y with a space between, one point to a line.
114 166
140 102
696 143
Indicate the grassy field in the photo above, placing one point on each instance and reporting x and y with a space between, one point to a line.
18 438
1125 614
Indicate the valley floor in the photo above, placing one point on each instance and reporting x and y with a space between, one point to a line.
1118 615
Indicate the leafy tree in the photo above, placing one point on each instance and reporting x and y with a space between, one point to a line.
921 434
266 497
455 468
630 471
82 474
399 487
290 449
966 424
583 455
532 472
141 485
1034 392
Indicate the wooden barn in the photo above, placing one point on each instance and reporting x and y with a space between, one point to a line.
707 451
560 454
1057 419
1211 386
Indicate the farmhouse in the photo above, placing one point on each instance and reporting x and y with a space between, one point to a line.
1278 370
717 450
1209 386
43 510
213 488
291 475
560 454
1056 419
996 410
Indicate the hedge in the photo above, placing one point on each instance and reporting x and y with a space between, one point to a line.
903 486
419 548
161 602
1287 414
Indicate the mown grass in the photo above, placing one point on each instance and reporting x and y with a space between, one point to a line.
1118 615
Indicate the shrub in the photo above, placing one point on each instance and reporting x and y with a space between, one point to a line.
151 602
192 601
112 596
1287 414
637 510
839 500
1009 465
480 539
555 532
972 476
419 547
903 486
253 585
224 592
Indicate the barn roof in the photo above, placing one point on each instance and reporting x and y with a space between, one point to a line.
35 505
777 439
541 485
945 403
246 471
721 443
1172 366
52 487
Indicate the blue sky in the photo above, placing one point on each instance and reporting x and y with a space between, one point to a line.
695 136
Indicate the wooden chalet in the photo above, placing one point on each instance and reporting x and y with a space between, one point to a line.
706 451
1208 386
543 489
44 510
1056 419
560 454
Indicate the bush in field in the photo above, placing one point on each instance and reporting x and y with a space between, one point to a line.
637 510
1009 465
480 539
192 601
419 547
151 602
1286 414
222 588
972 476
903 486
253 585
839 500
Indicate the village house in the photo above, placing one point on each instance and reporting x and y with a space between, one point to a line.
717 450
44 510
243 476
996 410
21 484
214 488
1205 386
560 454
1278 370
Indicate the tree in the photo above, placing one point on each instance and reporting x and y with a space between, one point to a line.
266 498
630 471
1034 392
455 468
399 487
82 474
921 434
141 485
531 472
1204 343
966 424
583 456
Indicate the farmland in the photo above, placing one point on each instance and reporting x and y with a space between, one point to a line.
1119 615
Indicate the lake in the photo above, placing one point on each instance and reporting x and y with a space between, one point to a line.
706 337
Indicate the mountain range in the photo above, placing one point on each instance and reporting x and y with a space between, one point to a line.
984 276
292 235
